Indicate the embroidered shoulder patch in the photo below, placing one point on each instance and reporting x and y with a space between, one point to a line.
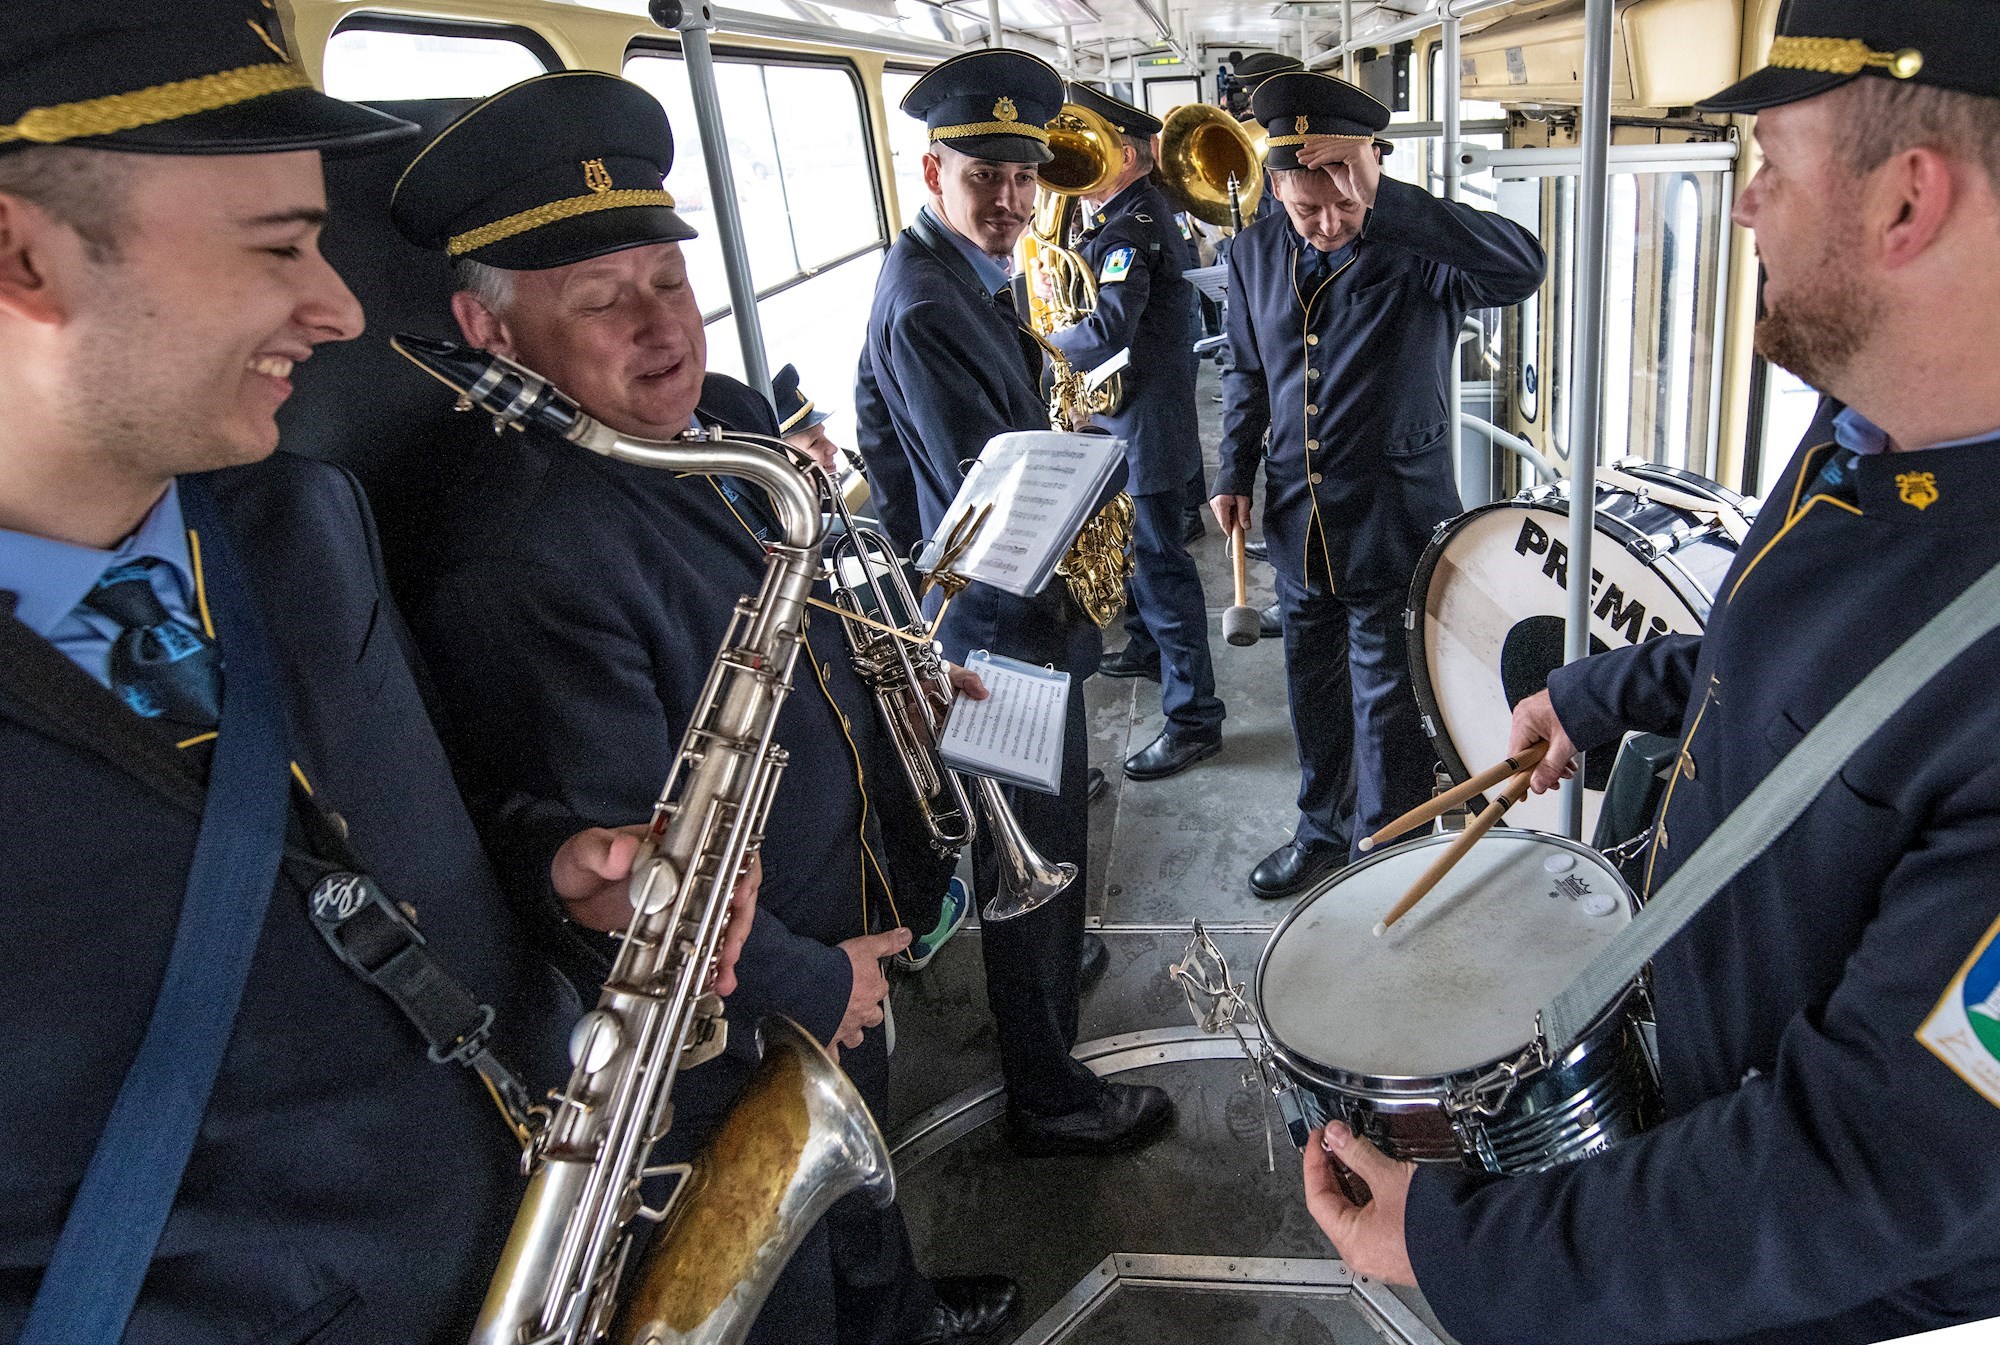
1964 1029
1117 265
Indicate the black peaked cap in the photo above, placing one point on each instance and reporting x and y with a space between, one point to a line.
994 104
1259 66
795 412
557 169
1305 102
1823 44
191 77
1131 120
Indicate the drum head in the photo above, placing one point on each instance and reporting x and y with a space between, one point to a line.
1455 985
1491 597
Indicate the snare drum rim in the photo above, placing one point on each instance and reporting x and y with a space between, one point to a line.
1389 1087
1430 714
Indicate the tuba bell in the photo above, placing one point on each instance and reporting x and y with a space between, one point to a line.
1202 148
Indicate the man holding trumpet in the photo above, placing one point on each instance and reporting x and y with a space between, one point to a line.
1829 1055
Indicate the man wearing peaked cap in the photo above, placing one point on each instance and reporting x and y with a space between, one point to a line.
1144 304
576 605
947 366
206 711
1343 317
1828 1055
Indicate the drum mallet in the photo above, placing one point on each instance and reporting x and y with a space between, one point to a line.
1239 623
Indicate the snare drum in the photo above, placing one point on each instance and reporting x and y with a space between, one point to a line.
1421 1039
1491 593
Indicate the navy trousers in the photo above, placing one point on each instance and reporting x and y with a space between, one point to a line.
1167 613
1363 757
1032 960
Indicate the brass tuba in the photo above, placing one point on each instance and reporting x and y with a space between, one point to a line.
799 1137
1202 149
1089 155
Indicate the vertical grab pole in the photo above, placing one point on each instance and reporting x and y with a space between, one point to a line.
1586 425
995 35
1448 108
722 189
1347 40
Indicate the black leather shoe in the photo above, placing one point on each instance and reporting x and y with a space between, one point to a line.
1270 623
1169 754
1258 550
1125 1116
1126 663
1192 528
1096 959
968 1307
1094 785
1293 867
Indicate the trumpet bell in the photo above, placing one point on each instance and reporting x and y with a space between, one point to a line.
1201 148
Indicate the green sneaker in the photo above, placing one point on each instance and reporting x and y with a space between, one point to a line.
951 919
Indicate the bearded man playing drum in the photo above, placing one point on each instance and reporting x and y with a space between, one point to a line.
1828 1032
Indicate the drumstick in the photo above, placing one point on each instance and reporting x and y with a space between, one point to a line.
1239 623
1517 789
1457 794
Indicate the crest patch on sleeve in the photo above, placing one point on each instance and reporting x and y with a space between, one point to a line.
1964 1029
1117 265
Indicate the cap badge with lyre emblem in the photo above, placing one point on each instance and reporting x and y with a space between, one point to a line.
1004 110
1300 127
1918 489
596 176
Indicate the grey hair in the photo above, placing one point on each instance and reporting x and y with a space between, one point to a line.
493 287
1881 117
1142 145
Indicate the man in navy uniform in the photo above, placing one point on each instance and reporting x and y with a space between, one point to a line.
947 366
191 620
1827 1043
578 604
1144 306
1343 318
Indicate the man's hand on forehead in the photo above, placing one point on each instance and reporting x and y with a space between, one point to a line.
1351 163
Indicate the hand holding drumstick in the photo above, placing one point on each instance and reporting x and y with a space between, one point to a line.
1516 790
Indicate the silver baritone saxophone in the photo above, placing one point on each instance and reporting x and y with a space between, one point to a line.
799 1138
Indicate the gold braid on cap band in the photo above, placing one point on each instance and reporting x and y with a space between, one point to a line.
1028 129
488 234
149 107
1314 135
796 417
1842 56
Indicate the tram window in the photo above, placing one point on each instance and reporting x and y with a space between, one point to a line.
1164 95
371 59
907 143
1790 404
805 183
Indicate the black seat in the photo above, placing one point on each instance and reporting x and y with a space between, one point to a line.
359 403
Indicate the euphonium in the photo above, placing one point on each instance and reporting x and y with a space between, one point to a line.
1202 149
1062 292
913 692
800 1137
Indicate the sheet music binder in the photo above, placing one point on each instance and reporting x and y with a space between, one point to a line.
1016 734
1037 488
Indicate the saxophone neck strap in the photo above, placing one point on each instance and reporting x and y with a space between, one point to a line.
1786 792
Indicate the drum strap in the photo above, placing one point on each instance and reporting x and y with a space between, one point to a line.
1772 806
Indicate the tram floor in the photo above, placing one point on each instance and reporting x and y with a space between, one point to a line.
1192 1237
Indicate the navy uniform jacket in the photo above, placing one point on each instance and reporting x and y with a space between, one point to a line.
571 624
944 371
341 1183
1825 1176
1137 254
1359 467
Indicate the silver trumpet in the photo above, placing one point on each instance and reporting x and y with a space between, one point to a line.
800 1137
912 690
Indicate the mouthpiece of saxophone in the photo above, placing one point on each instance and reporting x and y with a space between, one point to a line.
495 384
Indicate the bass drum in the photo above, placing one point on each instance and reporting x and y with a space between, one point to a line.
1491 592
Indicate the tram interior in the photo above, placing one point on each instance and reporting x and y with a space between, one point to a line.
1202 1236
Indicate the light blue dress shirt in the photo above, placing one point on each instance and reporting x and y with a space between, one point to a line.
1858 434
50 579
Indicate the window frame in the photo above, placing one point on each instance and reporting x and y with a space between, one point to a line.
885 236
520 35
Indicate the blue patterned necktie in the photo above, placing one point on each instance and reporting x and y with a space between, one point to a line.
1840 478
163 670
